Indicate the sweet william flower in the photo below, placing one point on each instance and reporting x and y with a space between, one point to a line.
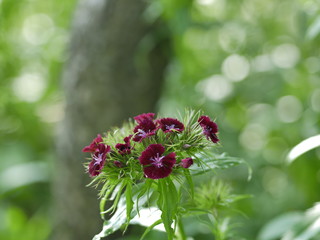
210 128
145 129
144 116
124 148
156 165
186 163
170 125
93 145
98 159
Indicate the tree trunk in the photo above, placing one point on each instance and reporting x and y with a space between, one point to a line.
106 80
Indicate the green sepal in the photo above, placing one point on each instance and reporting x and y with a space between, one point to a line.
105 193
116 197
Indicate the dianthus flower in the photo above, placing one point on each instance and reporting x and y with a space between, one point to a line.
124 148
98 159
155 165
186 163
144 116
93 145
170 125
145 129
210 128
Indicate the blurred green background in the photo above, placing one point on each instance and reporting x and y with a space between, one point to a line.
254 65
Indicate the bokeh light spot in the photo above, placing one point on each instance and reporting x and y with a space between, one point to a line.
289 109
236 67
274 181
231 37
262 114
253 137
205 2
315 100
215 88
29 87
285 55
51 112
262 63
38 29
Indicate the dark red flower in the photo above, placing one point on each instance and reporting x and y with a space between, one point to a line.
186 163
124 148
170 125
98 159
210 128
144 116
145 129
155 165
93 145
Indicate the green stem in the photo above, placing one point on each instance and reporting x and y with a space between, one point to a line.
182 233
216 226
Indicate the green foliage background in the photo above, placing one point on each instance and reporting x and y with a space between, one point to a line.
252 64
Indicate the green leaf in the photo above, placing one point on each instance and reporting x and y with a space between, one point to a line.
278 226
303 147
105 198
314 29
210 161
167 203
120 216
190 182
115 222
145 187
150 228
308 227
129 203
116 197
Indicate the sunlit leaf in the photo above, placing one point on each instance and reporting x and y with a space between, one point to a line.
278 226
314 29
303 147
119 218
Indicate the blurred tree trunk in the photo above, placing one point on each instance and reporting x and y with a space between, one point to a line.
109 76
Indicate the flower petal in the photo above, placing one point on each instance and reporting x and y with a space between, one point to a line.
88 149
170 125
157 173
94 169
169 160
102 148
145 129
93 145
153 150
209 127
98 159
214 138
144 116
186 163
124 148
206 121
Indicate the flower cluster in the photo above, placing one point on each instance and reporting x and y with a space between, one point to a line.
151 161
155 146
